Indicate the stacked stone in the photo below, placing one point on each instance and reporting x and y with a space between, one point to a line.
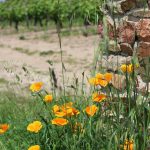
129 24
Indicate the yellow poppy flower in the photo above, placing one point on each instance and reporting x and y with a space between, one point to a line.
48 98
91 110
36 87
34 147
59 121
128 145
3 128
98 97
130 68
56 108
124 68
35 127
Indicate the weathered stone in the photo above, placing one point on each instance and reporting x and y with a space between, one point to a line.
127 33
132 23
113 46
142 86
110 26
140 13
115 7
127 5
148 2
118 81
126 48
141 3
143 30
144 49
113 62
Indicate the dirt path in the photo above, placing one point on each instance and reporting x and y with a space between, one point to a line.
32 50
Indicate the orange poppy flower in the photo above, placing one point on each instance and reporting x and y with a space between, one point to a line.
36 87
3 128
101 79
108 76
91 110
71 112
48 98
98 97
65 110
59 121
34 126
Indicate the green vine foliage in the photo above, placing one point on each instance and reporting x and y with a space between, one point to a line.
58 11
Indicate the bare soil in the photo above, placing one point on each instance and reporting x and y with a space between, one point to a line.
24 56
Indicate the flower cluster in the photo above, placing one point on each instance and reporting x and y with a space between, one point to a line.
101 79
62 115
65 110
128 68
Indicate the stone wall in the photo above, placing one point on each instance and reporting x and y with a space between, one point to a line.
129 24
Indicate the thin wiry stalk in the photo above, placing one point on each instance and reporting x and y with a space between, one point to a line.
60 45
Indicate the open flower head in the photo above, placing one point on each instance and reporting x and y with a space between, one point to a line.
128 145
91 110
35 127
59 121
3 128
108 77
36 87
48 98
65 110
56 108
98 97
101 79
34 147
71 112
